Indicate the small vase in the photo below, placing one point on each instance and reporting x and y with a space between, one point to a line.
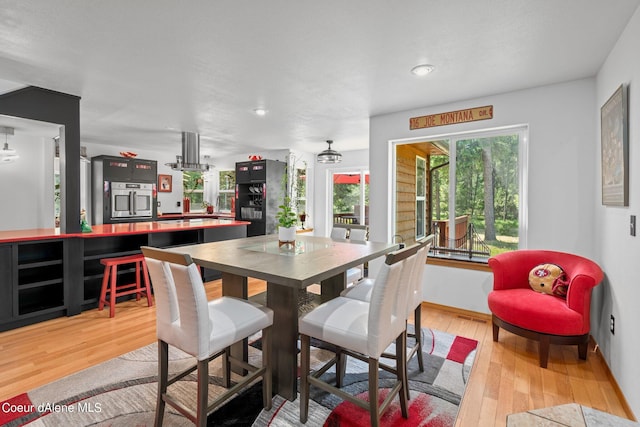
186 202
286 235
209 209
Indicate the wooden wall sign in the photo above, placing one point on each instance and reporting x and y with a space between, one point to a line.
452 117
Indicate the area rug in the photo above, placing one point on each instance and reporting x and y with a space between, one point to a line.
122 392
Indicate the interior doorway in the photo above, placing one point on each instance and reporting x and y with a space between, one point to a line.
350 197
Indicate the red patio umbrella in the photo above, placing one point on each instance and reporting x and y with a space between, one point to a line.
348 178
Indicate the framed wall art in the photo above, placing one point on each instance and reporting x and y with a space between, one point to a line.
164 183
614 135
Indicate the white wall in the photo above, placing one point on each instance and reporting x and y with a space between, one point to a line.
26 185
616 251
562 150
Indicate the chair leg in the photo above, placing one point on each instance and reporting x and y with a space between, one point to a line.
203 393
163 375
403 377
138 282
544 350
374 406
417 316
496 330
226 368
112 292
147 283
305 361
266 362
103 290
341 367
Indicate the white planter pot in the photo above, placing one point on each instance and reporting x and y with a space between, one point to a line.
287 234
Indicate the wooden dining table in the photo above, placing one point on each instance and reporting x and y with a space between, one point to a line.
287 269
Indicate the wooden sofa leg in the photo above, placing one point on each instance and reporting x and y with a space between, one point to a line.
544 350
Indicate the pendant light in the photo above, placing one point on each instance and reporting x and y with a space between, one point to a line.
329 155
7 155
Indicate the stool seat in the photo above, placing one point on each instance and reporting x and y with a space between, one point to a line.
109 281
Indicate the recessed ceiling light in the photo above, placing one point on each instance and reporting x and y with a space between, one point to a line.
260 111
422 69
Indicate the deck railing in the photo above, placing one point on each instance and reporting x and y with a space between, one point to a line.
468 243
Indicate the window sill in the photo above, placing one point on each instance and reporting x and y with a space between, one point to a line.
454 263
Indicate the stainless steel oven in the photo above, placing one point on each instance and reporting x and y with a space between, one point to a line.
131 200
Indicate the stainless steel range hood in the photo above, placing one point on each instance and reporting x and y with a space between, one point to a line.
190 158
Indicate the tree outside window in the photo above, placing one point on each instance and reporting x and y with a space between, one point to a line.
226 190
193 188
473 196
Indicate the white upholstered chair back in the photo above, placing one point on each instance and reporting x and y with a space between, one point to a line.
164 290
415 282
387 313
339 233
194 324
358 234
182 313
417 279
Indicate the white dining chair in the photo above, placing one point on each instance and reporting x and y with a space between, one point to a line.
413 285
363 330
205 330
339 233
358 235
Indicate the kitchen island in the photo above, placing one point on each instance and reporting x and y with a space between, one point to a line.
46 274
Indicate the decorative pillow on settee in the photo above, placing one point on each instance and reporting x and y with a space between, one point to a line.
549 279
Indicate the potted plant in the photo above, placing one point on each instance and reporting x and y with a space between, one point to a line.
286 218
209 207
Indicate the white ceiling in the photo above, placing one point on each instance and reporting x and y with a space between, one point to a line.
147 70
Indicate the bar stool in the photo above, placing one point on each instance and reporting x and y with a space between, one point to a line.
109 281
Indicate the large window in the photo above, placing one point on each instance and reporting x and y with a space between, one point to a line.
473 197
193 188
226 190
301 190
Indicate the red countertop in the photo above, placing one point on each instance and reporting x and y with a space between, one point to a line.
105 230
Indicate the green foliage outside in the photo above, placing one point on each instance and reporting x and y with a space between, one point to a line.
193 187
346 196
494 159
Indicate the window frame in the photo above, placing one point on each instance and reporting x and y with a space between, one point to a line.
221 191
194 207
523 137
421 213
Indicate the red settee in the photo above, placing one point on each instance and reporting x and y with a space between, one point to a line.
548 319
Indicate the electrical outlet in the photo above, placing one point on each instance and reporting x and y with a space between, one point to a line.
158 204
612 325
178 203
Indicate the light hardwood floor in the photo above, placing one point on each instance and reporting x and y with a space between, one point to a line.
505 379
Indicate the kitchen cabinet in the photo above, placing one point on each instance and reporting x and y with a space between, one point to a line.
45 274
123 189
6 283
123 169
32 281
259 192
